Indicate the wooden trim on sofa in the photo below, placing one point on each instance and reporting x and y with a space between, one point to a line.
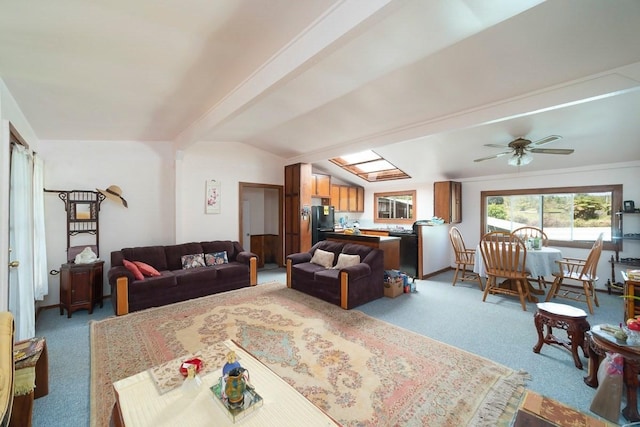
253 270
122 291
289 263
344 290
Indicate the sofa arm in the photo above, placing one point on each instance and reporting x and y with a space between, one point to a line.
357 271
251 260
119 271
299 258
245 257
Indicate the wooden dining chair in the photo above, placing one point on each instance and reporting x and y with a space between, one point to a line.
581 271
465 259
505 256
529 232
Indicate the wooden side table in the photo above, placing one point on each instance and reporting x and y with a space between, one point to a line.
631 288
598 343
32 372
80 286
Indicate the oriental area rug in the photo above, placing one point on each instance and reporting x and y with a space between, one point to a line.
361 371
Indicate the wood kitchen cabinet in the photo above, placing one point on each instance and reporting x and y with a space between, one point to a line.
347 198
80 286
265 246
321 186
447 201
297 208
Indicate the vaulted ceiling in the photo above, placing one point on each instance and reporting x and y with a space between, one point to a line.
425 83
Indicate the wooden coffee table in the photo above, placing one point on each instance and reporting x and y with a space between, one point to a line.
138 402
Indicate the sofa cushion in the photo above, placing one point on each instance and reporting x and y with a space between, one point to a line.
133 269
345 260
152 255
146 269
323 258
220 246
216 258
306 271
231 271
175 253
153 284
193 261
195 276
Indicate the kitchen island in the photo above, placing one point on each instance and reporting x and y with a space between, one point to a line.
389 245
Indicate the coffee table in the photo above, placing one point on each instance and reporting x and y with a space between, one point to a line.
138 402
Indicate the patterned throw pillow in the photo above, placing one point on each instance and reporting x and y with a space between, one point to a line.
345 260
193 261
133 269
216 258
322 258
146 269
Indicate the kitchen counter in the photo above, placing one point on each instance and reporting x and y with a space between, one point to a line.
389 245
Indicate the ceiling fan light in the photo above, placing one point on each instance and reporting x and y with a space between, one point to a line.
520 159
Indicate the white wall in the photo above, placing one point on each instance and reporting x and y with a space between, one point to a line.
627 174
229 163
144 172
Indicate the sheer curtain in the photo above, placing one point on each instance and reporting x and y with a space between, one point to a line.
40 273
21 294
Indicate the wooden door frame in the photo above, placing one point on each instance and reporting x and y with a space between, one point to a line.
250 185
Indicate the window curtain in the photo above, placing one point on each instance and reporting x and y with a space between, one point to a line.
40 271
21 294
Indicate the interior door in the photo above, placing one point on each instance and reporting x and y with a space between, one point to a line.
246 225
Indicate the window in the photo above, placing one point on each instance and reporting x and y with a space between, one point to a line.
571 216
369 166
396 207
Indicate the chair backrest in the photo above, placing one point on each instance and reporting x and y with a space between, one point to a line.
458 243
591 263
503 253
531 232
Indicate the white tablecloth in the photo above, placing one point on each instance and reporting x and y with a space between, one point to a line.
541 262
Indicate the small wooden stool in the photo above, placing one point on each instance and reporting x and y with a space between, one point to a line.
571 319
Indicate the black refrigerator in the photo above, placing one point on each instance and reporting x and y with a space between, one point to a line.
322 221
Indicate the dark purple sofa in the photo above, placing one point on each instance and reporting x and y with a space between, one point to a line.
347 287
175 283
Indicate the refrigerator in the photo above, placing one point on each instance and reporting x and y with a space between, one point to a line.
322 221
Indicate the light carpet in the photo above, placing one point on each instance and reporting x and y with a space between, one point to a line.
360 370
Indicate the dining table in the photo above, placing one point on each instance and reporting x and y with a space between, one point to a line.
539 262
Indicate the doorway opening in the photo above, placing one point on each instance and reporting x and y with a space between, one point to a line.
262 222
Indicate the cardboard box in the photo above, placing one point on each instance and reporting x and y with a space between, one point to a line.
393 287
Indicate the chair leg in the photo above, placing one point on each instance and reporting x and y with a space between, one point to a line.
455 276
490 281
521 293
587 294
555 286
595 294
480 282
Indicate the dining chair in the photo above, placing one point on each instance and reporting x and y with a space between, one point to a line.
465 259
505 256
578 270
528 232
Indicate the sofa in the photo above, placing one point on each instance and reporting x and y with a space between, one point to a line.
7 372
169 274
344 274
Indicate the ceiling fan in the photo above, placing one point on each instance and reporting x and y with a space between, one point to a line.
520 149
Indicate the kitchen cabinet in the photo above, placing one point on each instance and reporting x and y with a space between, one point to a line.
80 286
447 201
347 198
320 186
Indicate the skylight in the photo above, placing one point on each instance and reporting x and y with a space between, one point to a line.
369 166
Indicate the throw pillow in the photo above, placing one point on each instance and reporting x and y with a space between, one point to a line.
322 258
193 261
133 269
216 258
345 260
146 269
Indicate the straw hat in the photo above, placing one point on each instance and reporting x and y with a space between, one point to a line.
114 193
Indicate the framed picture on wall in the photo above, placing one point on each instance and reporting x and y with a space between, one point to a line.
212 197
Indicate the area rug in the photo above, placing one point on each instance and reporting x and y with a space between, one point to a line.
360 370
536 410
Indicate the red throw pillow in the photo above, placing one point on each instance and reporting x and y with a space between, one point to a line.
146 269
134 269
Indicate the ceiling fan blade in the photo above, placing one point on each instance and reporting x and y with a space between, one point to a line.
546 140
552 150
496 146
495 156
